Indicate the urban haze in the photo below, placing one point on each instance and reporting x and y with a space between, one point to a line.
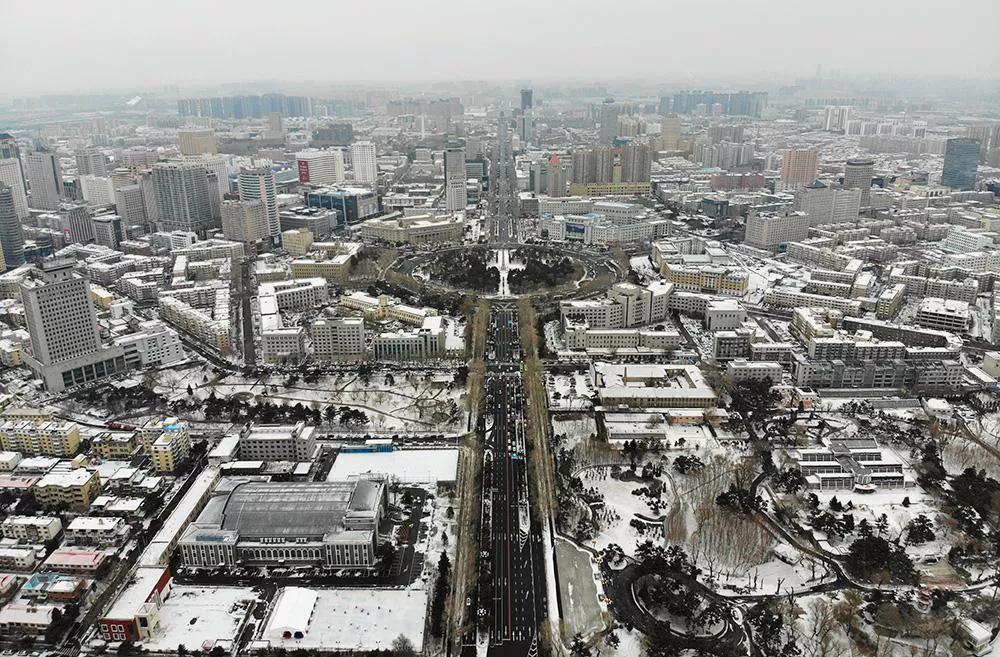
454 329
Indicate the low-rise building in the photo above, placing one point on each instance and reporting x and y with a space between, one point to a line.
73 489
32 529
97 531
278 442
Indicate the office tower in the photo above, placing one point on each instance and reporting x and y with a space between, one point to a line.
338 134
257 184
836 118
318 167
245 221
798 168
123 176
8 147
96 190
773 230
81 228
636 163
525 128
182 196
455 176
556 177
66 346
139 157
91 162
108 230
198 141
45 178
10 175
961 162
609 121
129 205
670 133
454 162
858 174
11 233
275 127
363 162
526 95
218 165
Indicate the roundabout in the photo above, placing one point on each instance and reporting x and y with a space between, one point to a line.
521 270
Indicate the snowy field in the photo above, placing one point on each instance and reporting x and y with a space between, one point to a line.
197 616
578 590
394 401
576 427
569 392
410 466
357 619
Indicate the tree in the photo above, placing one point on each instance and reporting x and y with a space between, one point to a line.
441 588
920 530
578 647
126 648
403 647
790 480
871 556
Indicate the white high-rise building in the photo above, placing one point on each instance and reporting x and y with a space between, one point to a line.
66 348
97 190
91 162
828 205
218 165
320 167
456 196
130 206
364 163
257 184
182 196
10 175
245 221
338 339
45 179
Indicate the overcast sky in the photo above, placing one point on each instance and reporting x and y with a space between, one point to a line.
81 45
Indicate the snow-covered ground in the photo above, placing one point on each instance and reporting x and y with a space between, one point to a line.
576 427
569 392
197 616
356 619
411 466
409 401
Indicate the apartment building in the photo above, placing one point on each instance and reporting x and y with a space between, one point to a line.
73 489
52 438
32 529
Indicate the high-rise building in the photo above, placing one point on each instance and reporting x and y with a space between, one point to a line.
182 196
798 168
10 175
609 121
91 162
636 163
961 163
556 177
96 191
45 178
455 177
320 167
198 141
11 233
774 230
858 174
81 228
257 184
108 230
8 147
526 98
245 221
670 133
836 118
129 205
828 205
580 166
66 347
364 163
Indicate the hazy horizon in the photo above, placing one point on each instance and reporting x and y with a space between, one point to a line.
61 46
